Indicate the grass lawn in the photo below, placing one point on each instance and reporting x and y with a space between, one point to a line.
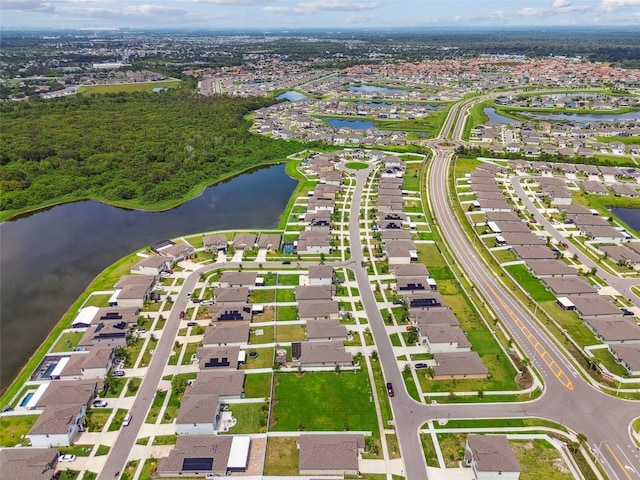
282 456
265 358
452 446
252 417
392 445
102 450
323 401
165 440
285 295
13 428
538 459
604 356
395 340
130 470
132 386
100 300
356 165
68 474
261 335
504 256
429 450
522 275
97 419
289 312
77 450
154 411
257 385
568 319
189 351
290 333
118 385
501 422
288 279
134 351
116 423
267 295
149 469
412 389
72 337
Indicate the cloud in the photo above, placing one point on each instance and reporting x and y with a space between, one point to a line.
232 2
559 7
308 8
614 5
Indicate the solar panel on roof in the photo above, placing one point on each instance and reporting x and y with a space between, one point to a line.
197 464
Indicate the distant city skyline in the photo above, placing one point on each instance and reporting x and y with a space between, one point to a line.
300 14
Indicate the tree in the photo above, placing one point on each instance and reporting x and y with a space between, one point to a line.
179 384
110 382
407 369
322 258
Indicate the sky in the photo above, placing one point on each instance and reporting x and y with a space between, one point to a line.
300 14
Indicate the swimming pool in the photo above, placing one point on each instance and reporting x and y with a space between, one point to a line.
26 399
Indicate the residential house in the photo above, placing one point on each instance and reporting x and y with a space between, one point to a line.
592 306
230 295
231 311
215 243
444 338
318 309
628 356
231 278
320 275
91 363
616 329
330 454
227 357
326 330
58 425
314 242
269 241
132 290
152 265
28 463
449 365
244 240
227 333
313 292
569 285
177 252
491 457
323 354
550 268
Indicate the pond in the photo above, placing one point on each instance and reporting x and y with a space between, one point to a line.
573 117
353 124
292 96
630 216
48 258
375 89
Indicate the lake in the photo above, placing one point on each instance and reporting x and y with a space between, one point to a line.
353 124
572 117
630 216
48 258
375 89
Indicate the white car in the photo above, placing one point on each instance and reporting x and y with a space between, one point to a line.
67 457
127 420
99 403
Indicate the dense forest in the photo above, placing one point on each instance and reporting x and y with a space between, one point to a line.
145 149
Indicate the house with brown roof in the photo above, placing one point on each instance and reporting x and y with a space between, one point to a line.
132 290
314 242
550 268
329 454
222 295
624 190
227 333
409 270
58 425
230 312
28 463
323 354
319 221
424 300
433 316
318 309
88 364
594 187
535 252
227 357
269 241
105 333
569 285
621 254
512 228
627 355
458 365
326 330
94 315
177 252
70 392
152 265
486 205
502 217
391 235
602 234
215 243
491 457
244 240
444 338
231 278
412 284
320 275
313 292
526 239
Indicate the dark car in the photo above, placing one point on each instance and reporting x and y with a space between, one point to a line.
196 300
363 264
397 302
191 324
626 311
181 315
390 389
421 365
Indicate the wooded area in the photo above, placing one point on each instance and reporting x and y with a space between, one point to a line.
138 148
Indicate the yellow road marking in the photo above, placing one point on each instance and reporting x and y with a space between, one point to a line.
624 470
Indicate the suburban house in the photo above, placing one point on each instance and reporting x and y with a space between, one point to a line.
617 329
269 241
491 457
621 254
326 329
28 463
313 292
412 284
226 357
409 270
424 300
152 265
177 252
239 311
314 242
69 392
318 309
458 365
569 285
523 239
322 354
433 316
533 252
330 454
91 363
236 295
132 290
238 279
105 333
591 306
602 234
444 338
244 240
58 425
318 221
215 243
206 456
550 268
229 333
320 275
627 355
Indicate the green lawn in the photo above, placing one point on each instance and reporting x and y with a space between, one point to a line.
290 333
101 300
118 385
13 428
522 275
452 446
67 342
285 295
257 385
265 358
97 419
102 450
132 386
323 401
189 351
288 279
261 334
538 459
252 417
287 313
268 295
149 469
429 450
154 411
282 456
77 450
116 423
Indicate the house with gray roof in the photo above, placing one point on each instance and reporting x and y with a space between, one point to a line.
314 242
535 252
526 239
197 456
491 457
320 274
313 292
215 243
433 316
132 290
618 329
458 365
58 425
592 306
502 217
587 219
444 338
70 392
318 309
230 278
550 268
326 330
244 240
602 234
227 357
269 241
330 454
624 190
621 254
235 295
177 252
594 187
409 270
513 227
627 355
152 265
569 285
28 463
392 235
88 364
225 312
324 354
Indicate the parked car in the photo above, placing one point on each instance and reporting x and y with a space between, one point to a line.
67 457
390 389
181 315
119 373
421 365
397 302
191 324
363 264
626 311
196 300
99 403
141 330
127 420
